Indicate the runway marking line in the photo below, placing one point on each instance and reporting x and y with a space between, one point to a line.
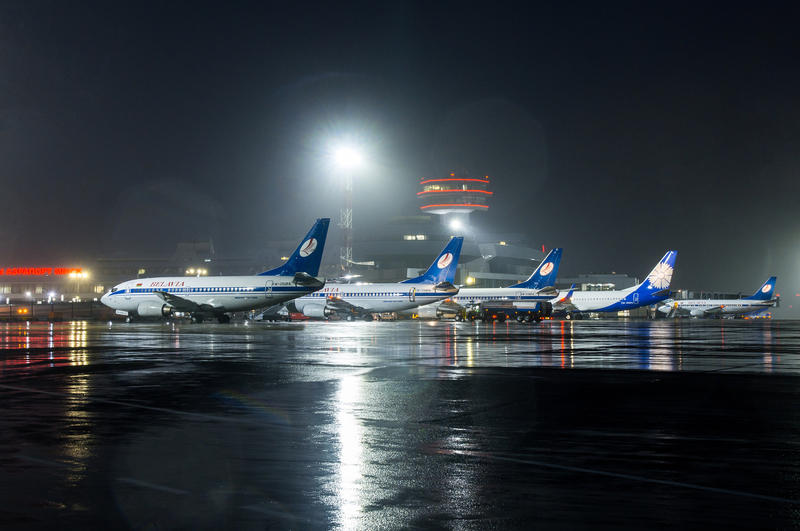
139 406
632 477
153 486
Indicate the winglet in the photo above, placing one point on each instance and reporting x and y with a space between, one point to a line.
544 275
443 269
308 255
764 293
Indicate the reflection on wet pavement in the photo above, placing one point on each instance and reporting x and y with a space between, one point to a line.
386 425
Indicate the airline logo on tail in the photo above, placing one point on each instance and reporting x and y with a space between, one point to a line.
546 269
445 260
661 276
308 247
766 289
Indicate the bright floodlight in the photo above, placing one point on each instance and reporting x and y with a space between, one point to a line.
347 157
455 224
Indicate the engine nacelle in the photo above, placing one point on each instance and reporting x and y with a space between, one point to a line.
697 313
316 310
149 309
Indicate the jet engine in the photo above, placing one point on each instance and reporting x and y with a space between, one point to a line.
316 310
697 313
149 309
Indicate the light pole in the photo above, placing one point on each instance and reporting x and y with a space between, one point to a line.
348 160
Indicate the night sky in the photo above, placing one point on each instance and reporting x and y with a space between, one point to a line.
615 132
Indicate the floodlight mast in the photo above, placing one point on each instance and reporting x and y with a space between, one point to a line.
346 222
348 159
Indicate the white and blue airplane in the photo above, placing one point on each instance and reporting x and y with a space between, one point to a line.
523 295
363 300
202 297
756 302
654 289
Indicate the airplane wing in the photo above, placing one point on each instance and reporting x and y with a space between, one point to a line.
676 310
450 305
184 305
340 305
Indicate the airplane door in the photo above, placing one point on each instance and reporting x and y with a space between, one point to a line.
268 289
412 295
636 298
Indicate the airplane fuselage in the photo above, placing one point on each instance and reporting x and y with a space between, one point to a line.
611 301
517 296
699 307
374 298
223 293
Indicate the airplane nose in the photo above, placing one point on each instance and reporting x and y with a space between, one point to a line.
104 299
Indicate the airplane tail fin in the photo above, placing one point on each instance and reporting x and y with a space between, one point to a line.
566 299
545 275
660 277
656 285
443 269
764 293
308 255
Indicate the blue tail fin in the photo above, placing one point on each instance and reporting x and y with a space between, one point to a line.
764 293
660 277
443 269
545 275
308 255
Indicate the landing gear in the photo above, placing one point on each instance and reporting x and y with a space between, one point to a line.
224 319
129 319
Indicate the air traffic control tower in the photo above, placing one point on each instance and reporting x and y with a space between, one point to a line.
454 197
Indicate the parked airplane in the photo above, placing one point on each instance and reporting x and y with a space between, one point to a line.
203 297
654 289
362 300
537 288
759 300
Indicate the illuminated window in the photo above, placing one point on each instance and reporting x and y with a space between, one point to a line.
99 289
409 237
421 237
39 289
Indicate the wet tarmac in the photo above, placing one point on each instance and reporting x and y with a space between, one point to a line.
564 425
